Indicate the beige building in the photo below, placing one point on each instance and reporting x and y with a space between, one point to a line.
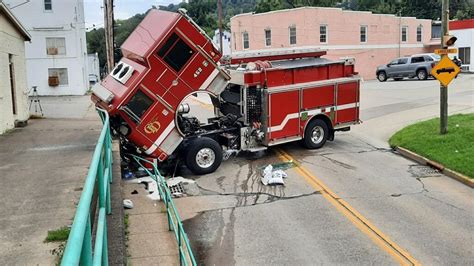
13 88
372 39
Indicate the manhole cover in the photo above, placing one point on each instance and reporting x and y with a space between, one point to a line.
422 171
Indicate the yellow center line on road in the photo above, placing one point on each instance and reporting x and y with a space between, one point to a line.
399 254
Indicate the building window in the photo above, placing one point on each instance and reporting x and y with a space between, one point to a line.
245 40
234 40
465 55
268 37
419 33
323 33
363 33
435 31
292 32
48 5
404 33
176 52
56 46
57 76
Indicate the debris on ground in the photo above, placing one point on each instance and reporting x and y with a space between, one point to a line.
180 187
273 177
150 185
280 166
228 153
128 204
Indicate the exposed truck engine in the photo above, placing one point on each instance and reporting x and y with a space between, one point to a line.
259 99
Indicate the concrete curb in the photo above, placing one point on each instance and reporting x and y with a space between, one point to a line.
424 161
115 221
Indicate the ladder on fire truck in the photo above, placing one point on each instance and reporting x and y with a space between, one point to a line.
276 54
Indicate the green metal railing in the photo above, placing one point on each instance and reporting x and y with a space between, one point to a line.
186 256
79 244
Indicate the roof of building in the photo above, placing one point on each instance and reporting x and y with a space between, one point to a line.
461 24
319 8
16 23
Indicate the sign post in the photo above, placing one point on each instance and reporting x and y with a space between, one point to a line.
444 88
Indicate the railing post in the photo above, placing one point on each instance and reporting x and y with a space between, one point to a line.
100 179
86 252
105 252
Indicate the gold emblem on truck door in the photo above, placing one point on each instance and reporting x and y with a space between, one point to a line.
152 127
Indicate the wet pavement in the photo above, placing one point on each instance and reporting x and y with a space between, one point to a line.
237 220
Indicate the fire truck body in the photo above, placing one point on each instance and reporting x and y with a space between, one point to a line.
260 99
285 98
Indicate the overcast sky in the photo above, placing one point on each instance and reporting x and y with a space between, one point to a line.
123 9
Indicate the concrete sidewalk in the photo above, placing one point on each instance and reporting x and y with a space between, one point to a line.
149 240
42 171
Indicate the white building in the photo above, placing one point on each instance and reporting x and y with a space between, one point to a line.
13 89
93 68
56 58
225 39
464 31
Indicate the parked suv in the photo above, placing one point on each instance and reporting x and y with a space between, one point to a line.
414 66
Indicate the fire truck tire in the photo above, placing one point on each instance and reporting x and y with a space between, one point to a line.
316 134
204 156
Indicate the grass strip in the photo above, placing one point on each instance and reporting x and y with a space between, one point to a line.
60 234
454 150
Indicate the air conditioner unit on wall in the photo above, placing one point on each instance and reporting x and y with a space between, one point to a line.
52 51
53 81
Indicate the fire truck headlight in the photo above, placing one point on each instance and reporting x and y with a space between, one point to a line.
124 129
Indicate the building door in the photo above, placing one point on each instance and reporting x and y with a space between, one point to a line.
12 82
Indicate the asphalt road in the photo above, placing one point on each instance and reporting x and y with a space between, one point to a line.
352 202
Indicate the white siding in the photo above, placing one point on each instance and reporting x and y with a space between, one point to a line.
12 43
465 39
65 20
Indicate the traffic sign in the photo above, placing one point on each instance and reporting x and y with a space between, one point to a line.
445 70
446 51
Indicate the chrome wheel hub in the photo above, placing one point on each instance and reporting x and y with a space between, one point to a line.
205 157
317 135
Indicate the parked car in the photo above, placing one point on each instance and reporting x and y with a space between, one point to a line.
418 65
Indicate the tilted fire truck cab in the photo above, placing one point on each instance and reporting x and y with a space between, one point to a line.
259 99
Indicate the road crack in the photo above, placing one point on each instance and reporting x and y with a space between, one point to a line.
243 196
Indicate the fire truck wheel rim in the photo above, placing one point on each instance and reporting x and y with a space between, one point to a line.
205 157
317 135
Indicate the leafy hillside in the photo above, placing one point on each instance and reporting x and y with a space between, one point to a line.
204 12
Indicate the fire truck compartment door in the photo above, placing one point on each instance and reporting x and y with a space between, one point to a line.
283 114
347 102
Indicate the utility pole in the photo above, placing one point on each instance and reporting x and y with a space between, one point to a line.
219 11
444 89
109 33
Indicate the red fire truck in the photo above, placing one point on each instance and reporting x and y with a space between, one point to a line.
260 99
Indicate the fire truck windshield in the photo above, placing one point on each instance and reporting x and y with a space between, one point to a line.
138 105
176 52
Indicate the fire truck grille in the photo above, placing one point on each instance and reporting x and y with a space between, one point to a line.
254 105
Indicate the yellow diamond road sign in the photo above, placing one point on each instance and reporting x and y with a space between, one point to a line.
445 70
